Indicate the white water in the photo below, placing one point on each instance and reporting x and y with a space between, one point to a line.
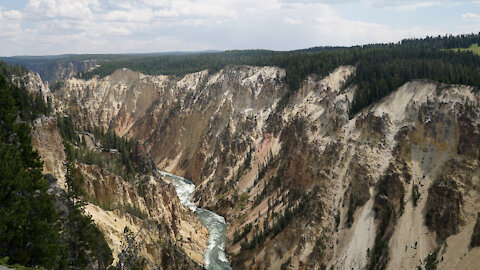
215 257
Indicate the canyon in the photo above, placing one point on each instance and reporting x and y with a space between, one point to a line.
300 183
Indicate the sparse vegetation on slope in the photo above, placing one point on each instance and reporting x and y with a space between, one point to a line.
117 155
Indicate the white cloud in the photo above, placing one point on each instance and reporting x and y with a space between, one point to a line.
406 5
184 11
62 8
351 32
9 25
471 17
400 5
472 23
113 26
204 9
155 3
134 15
8 31
118 31
118 4
12 15
293 21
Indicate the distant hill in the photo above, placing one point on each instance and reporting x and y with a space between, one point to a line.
54 67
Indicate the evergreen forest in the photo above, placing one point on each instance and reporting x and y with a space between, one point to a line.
36 228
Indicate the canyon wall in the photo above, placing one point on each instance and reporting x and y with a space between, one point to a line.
301 184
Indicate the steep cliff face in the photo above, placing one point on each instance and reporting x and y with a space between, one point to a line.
66 69
32 82
47 141
300 184
169 235
153 207
149 207
188 114
97 103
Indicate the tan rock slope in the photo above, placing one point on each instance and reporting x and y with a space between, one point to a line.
162 223
300 184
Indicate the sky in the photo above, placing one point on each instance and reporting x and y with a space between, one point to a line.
50 27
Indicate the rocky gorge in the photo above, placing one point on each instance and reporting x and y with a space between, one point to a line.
300 183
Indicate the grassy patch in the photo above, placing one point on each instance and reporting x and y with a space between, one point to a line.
473 48
243 200
135 211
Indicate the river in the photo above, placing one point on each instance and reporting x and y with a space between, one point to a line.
215 257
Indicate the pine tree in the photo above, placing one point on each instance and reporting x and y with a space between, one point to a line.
28 221
84 243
